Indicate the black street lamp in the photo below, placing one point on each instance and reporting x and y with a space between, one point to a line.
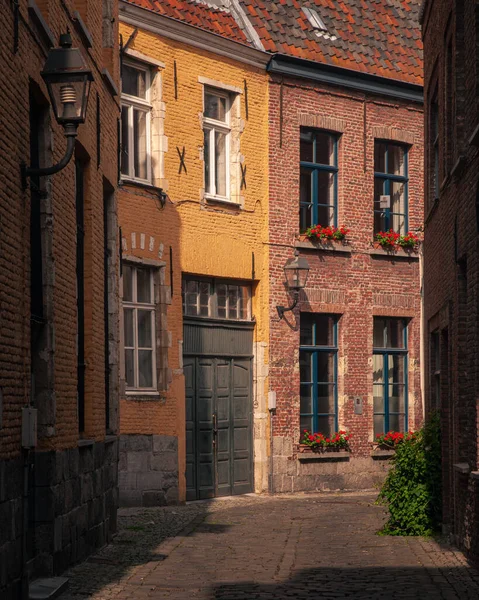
296 272
68 82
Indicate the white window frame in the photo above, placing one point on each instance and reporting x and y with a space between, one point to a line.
131 102
134 305
213 125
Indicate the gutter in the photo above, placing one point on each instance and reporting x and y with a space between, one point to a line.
290 66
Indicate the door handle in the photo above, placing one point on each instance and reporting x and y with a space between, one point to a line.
215 429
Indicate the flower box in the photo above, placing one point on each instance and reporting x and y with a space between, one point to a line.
328 245
306 453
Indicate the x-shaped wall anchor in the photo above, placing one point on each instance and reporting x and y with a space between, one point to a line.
181 154
243 176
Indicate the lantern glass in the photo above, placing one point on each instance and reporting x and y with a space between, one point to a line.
296 272
69 97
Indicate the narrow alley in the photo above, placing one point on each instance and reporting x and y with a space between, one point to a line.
290 546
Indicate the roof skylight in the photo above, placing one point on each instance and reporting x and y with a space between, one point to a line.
314 19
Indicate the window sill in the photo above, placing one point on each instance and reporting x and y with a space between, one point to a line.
396 253
383 454
462 468
328 246
139 183
223 201
144 397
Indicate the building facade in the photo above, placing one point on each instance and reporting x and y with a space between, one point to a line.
58 299
345 148
193 210
450 33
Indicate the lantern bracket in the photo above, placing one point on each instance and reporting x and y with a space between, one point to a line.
282 309
70 134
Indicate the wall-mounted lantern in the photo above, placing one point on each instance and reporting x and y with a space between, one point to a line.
296 273
68 82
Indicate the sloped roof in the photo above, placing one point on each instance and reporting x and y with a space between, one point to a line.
199 14
381 37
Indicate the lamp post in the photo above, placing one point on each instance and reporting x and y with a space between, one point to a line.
68 82
296 273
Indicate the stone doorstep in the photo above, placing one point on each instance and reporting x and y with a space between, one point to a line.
45 589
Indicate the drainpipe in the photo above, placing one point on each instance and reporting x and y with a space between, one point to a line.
422 340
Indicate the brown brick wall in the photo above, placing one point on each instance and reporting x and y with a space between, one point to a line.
17 69
451 260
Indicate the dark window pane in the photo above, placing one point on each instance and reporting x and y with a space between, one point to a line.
125 149
379 333
306 423
306 146
129 337
396 368
306 185
306 402
305 366
325 216
380 222
380 157
144 329
396 398
129 368
396 422
395 333
379 190
326 399
206 152
233 301
378 398
306 329
143 285
324 330
139 140
379 426
326 425
325 366
215 107
221 292
326 188
145 368
395 159
133 82
244 292
325 149
127 283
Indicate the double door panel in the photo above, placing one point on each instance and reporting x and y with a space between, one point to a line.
218 427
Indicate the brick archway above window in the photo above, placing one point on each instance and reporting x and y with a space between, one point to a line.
394 134
322 122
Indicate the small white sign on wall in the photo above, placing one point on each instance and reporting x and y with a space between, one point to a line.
384 201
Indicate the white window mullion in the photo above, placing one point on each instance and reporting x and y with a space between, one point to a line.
153 349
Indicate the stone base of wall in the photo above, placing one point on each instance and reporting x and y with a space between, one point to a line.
11 491
148 470
294 472
72 507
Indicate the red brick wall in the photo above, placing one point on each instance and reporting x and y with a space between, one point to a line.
356 286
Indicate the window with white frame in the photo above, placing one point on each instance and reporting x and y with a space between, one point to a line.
217 131
139 328
135 122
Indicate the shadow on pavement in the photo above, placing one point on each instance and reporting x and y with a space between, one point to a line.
365 583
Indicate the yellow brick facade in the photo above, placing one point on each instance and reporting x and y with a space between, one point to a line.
206 239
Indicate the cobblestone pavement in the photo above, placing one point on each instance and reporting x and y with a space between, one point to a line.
282 547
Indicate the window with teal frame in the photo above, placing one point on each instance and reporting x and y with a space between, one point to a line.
318 366
318 178
390 374
390 187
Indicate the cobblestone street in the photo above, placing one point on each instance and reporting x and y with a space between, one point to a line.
303 546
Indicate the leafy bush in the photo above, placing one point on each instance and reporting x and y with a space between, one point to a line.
412 489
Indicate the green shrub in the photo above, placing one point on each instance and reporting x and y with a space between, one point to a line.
412 489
